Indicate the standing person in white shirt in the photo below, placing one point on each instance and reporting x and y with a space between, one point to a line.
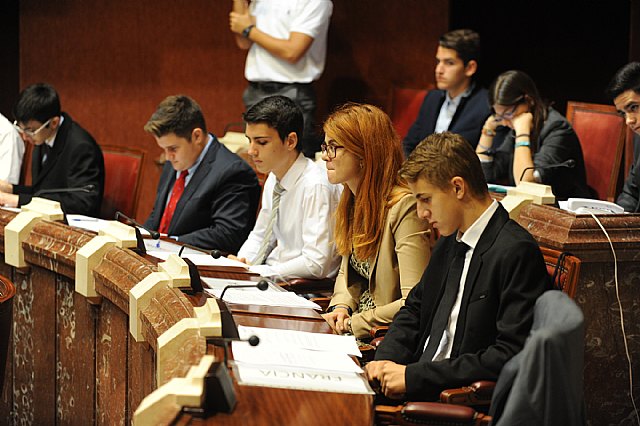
11 152
293 235
287 43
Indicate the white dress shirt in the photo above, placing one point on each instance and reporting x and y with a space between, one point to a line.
470 238
303 232
279 18
449 108
11 152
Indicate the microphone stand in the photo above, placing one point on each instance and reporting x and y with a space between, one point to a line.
140 246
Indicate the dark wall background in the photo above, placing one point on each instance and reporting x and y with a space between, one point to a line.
113 61
570 49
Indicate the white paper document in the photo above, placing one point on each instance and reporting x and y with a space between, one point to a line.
202 259
302 340
263 298
162 248
301 378
243 352
87 222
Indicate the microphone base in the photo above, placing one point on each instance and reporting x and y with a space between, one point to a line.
220 395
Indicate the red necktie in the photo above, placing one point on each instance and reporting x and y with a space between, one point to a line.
178 189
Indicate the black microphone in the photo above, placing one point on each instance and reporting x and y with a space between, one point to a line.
192 247
253 341
154 234
569 164
217 254
86 188
262 285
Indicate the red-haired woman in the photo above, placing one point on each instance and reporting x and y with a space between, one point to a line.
385 247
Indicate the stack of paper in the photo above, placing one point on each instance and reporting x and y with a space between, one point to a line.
273 296
298 360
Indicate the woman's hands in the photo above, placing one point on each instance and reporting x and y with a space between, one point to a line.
339 320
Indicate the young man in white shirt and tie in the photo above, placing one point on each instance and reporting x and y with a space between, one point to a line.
293 235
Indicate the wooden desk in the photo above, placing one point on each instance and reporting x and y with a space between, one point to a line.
73 360
606 376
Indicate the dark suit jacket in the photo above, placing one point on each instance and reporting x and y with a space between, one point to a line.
218 207
75 161
630 196
506 275
467 121
557 143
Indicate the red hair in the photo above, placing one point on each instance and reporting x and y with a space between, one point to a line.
367 132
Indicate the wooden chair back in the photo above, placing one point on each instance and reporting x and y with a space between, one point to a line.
601 131
123 168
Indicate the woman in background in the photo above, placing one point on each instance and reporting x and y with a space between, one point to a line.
537 144
385 247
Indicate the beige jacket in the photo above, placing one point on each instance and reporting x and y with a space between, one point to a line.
402 257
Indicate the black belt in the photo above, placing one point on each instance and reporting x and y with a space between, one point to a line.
273 86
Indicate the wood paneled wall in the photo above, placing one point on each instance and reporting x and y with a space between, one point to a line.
114 61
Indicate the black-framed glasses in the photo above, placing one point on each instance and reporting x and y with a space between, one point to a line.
31 133
330 150
506 115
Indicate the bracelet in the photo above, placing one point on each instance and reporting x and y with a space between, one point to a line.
246 31
486 148
523 135
488 132
334 307
349 326
523 143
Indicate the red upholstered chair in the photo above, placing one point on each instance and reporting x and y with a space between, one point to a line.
405 104
122 178
7 291
601 131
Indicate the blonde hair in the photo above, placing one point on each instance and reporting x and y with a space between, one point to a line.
366 132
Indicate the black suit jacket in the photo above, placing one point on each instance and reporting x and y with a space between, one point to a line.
630 196
506 275
467 121
218 207
75 161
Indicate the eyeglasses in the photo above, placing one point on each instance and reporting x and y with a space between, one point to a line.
330 150
31 133
508 115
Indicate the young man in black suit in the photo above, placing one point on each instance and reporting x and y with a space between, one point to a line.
624 89
64 156
473 308
207 195
459 105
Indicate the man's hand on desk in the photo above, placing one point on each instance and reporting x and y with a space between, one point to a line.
339 320
8 200
6 187
239 259
390 377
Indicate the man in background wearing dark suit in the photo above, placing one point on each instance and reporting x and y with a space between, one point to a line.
624 89
459 105
473 308
64 156
207 195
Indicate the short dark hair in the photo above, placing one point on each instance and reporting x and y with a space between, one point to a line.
177 114
626 78
38 102
465 42
443 156
280 113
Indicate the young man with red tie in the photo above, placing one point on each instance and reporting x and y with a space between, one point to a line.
207 196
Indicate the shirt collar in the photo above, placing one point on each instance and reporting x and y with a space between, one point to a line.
473 234
295 171
193 168
464 94
52 139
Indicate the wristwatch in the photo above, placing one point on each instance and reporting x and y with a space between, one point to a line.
246 31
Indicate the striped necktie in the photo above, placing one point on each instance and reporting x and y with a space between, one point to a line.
265 246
